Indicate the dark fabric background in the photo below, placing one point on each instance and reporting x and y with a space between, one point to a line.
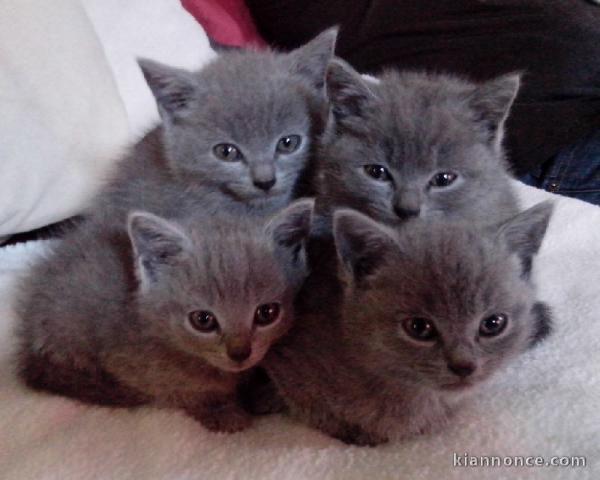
555 42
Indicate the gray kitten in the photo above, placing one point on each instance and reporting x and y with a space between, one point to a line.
236 136
415 144
428 313
167 313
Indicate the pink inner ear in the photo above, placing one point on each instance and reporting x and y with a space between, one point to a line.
226 21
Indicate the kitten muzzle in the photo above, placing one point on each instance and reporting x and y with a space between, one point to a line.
264 185
239 351
263 176
407 203
457 386
405 213
462 369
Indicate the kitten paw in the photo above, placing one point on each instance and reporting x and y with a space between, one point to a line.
224 418
262 398
354 435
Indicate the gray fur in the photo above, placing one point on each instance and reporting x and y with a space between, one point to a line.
415 125
249 99
356 374
104 318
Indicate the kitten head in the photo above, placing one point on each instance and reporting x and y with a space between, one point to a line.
440 305
222 292
417 145
243 124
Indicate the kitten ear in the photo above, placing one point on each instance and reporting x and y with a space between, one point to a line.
347 91
542 317
219 47
311 59
173 88
362 244
491 102
157 244
523 234
290 228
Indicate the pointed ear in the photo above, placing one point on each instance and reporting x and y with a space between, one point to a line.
542 317
523 234
311 59
290 228
223 48
173 88
362 244
157 244
347 91
491 102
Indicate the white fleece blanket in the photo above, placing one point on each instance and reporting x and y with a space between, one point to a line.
546 404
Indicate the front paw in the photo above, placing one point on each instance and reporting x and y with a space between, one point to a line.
355 435
261 398
226 418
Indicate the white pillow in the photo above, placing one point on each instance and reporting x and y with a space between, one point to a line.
161 30
62 122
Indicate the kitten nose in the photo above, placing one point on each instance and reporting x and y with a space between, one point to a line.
407 202
405 213
265 184
462 369
263 174
239 353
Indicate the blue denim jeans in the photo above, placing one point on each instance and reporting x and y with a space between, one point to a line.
574 172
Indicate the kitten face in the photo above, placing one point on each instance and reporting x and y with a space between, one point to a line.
440 306
224 295
417 145
255 153
243 125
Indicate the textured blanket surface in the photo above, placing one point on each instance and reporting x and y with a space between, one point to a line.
545 404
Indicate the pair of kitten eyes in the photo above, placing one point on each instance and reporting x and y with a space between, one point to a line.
228 152
205 321
424 330
382 174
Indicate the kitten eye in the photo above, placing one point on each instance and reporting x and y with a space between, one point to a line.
227 152
443 179
288 144
203 321
266 314
420 329
378 172
493 325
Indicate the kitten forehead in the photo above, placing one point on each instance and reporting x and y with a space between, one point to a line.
248 66
235 264
429 112
451 269
250 94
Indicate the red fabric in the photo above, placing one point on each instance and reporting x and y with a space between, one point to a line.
225 21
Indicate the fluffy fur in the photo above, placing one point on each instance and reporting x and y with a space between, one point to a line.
108 317
388 141
247 103
387 144
356 373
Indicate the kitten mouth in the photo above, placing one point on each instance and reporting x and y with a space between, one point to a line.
457 386
236 368
261 195
255 196
262 199
240 367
